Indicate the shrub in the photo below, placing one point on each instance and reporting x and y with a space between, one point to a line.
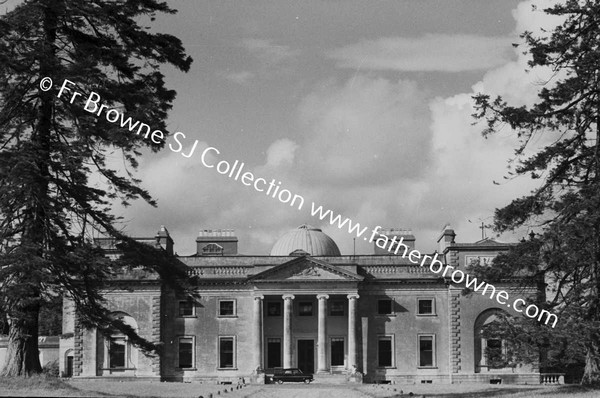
51 369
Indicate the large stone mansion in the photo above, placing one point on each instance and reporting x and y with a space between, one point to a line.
378 317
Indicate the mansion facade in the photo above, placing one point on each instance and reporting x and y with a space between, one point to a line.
376 318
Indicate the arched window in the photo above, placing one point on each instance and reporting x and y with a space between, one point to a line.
119 352
491 350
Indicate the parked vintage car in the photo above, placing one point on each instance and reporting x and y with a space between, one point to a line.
290 375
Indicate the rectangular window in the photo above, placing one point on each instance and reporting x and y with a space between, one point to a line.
186 352
226 307
425 306
385 352
186 308
427 351
117 352
273 353
226 352
336 308
273 308
493 354
305 308
384 307
337 351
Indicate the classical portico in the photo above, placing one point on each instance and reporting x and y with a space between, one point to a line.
306 307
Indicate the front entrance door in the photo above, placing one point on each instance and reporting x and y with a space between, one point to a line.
306 355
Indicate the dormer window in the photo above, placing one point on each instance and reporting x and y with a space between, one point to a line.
212 249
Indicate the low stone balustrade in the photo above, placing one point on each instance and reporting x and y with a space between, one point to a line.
552 378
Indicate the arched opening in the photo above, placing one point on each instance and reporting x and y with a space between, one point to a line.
492 351
68 372
119 353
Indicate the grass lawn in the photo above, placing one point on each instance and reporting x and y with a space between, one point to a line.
52 387
479 390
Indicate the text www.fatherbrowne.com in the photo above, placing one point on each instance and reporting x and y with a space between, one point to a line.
272 188
397 246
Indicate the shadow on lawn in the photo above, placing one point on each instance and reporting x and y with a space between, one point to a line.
54 386
538 392
474 394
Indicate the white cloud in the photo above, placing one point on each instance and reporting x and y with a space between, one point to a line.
242 77
270 53
431 52
281 153
530 16
365 131
374 149
266 60
466 164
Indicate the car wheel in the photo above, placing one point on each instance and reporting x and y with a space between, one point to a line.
279 381
307 381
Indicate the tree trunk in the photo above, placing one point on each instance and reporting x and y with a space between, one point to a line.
22 355
591 374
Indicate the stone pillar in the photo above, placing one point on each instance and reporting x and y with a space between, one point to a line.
352 331
258 339
322 334
287 330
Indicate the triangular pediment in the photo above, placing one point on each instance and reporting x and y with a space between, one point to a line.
306 269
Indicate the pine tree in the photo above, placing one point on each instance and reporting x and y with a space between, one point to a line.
50 147
566 206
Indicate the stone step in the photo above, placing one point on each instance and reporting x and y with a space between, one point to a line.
327 378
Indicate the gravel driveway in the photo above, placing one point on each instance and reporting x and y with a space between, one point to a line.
307 391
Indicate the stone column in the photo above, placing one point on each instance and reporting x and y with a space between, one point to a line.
322 334
352 330
287 330
258 339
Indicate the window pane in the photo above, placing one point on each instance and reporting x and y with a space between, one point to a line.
425 351
305 308
384 307
274 353
273 308
116 353
493 352
226 308
186 308
337 352
226 352
425 306
186 352
337 308
494 343
384 349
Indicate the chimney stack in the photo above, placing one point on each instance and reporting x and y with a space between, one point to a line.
408 239
216 242
446 238
164 240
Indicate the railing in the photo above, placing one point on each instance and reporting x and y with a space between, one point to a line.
395 269
219 271
552 378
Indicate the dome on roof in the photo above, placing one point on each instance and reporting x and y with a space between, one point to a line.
307 239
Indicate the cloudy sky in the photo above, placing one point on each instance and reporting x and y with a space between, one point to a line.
363 107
